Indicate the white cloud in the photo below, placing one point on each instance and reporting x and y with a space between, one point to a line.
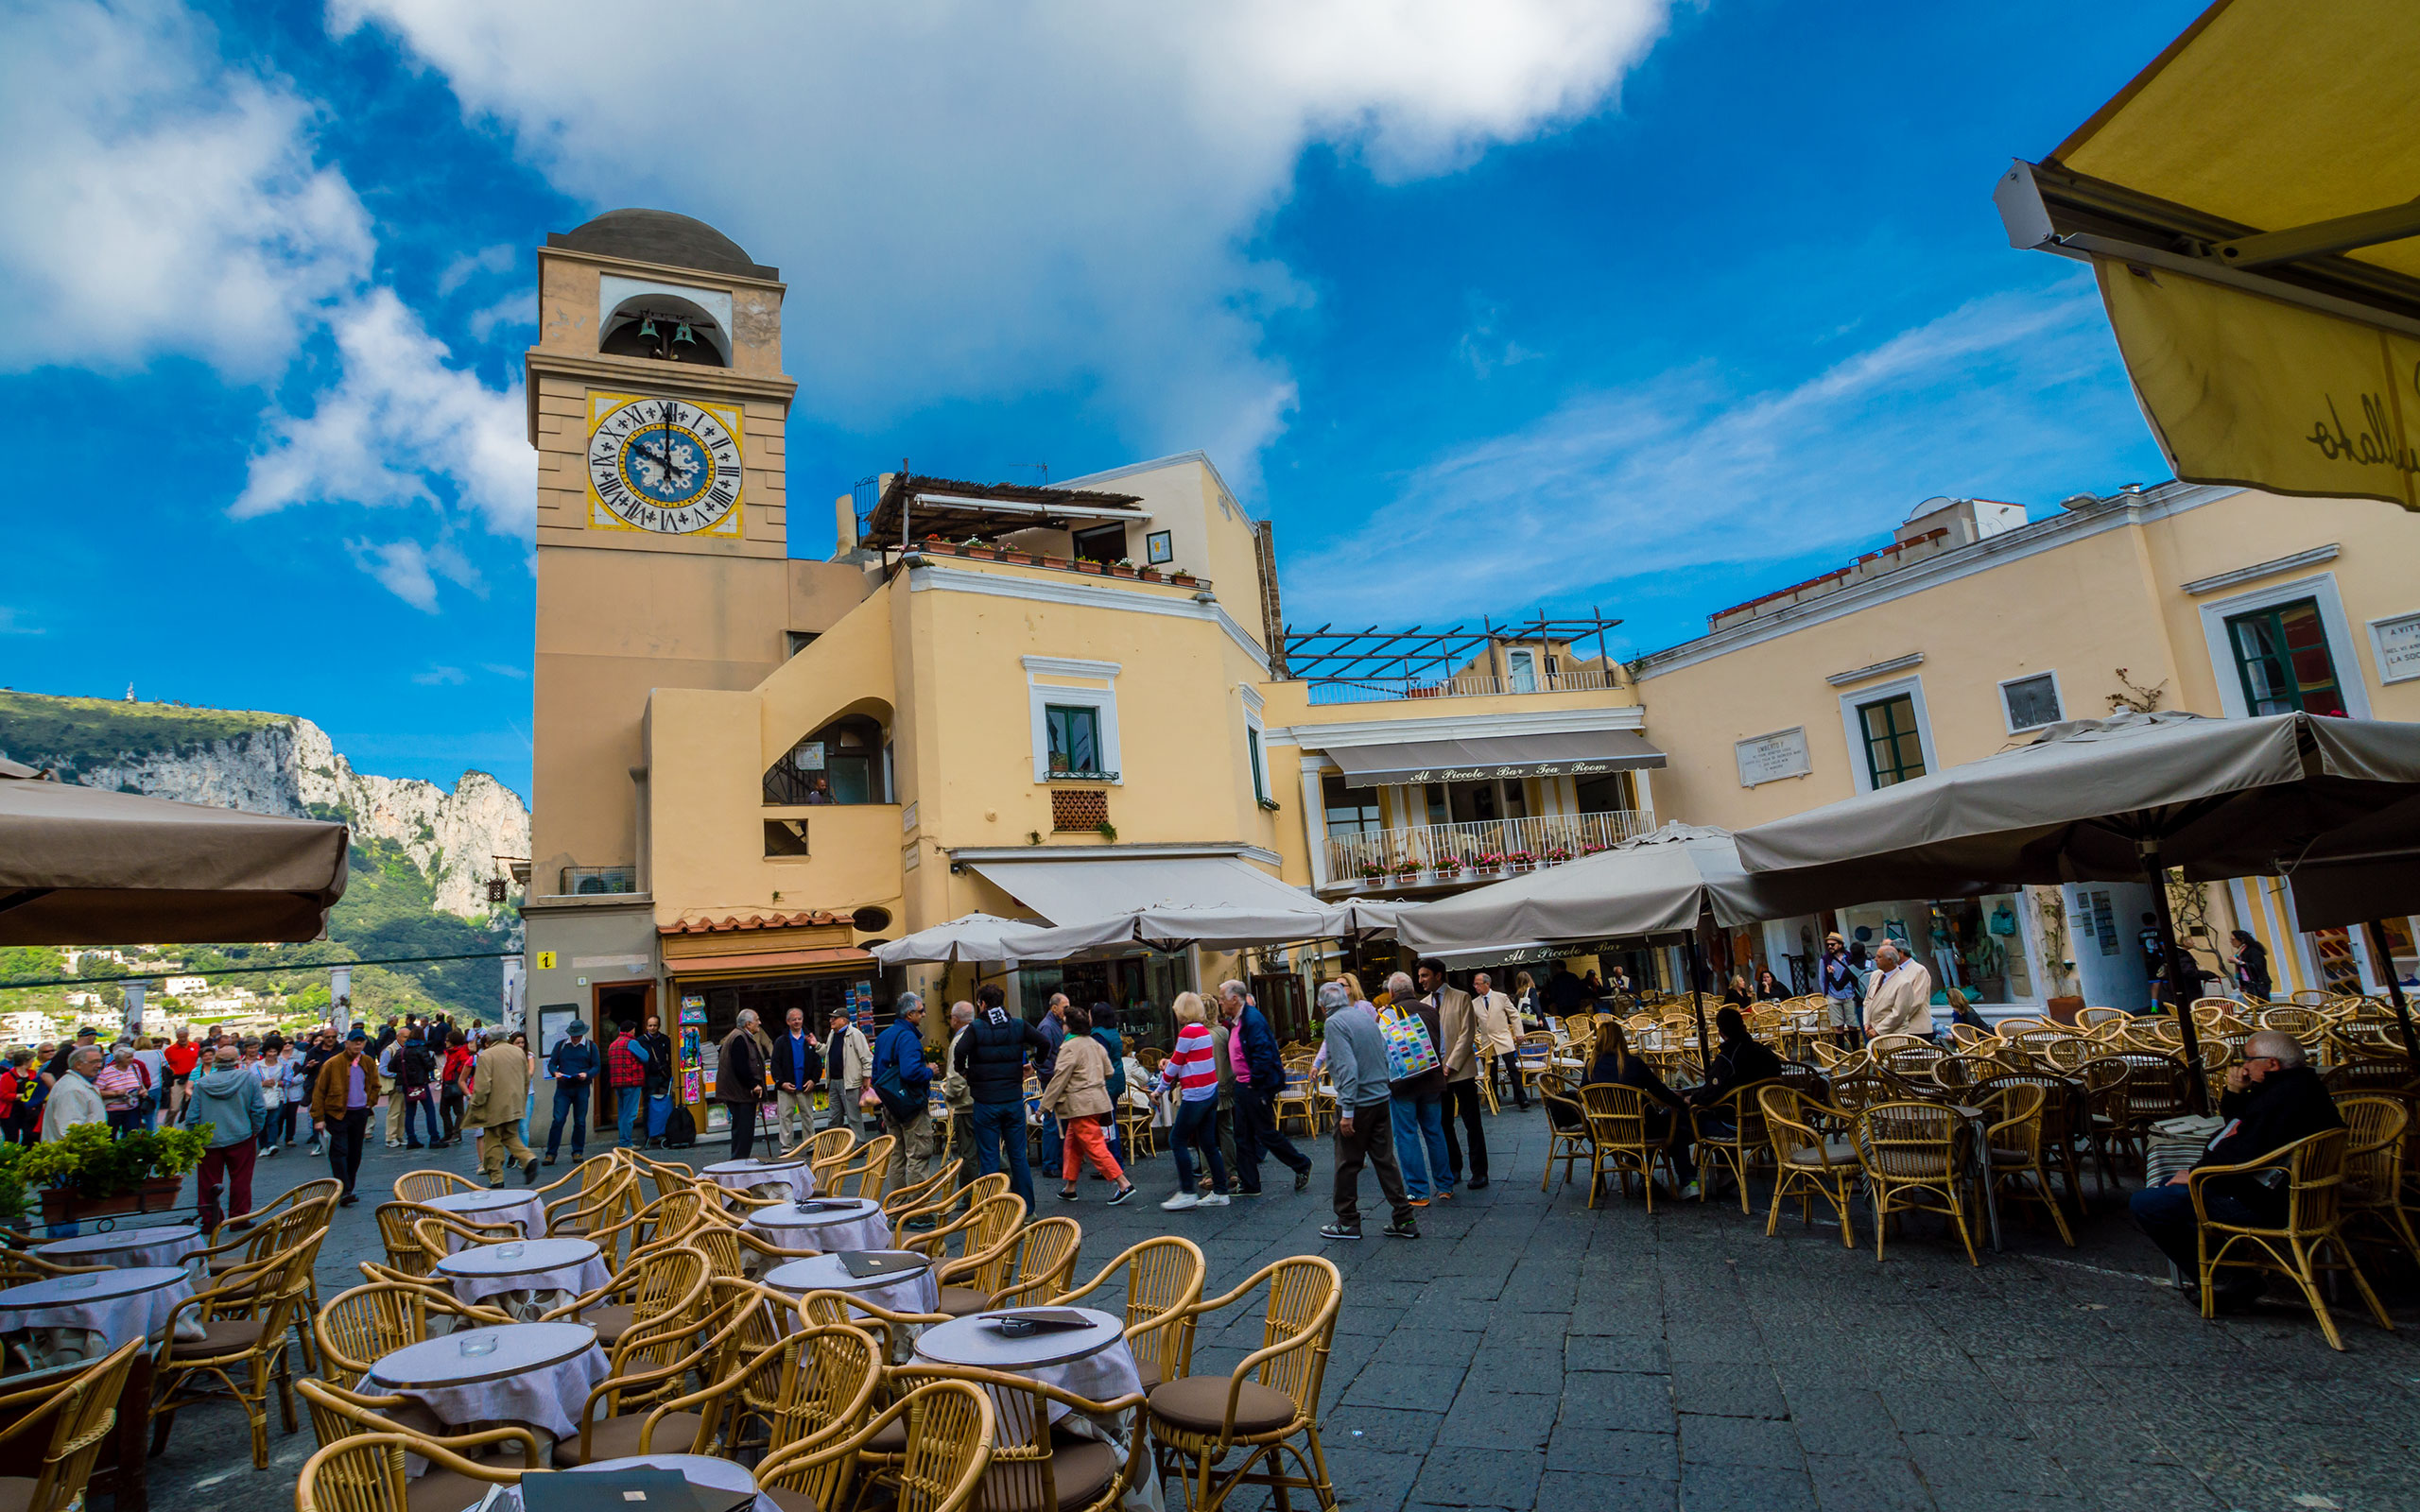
497 259
11 623
519 308
161 204
399 416
1011 198
1686 472
409 570
502 670
182 211
440 677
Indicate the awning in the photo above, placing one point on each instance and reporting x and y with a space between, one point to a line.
1076 892
2247 204
1576 753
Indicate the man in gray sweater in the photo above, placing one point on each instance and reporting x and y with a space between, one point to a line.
228 1098
1356 1064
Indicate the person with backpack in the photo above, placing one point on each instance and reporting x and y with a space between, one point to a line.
905 1083
625 1077
415 1076
991 1055
1417 1087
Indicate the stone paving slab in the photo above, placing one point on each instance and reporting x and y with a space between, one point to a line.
1530 1355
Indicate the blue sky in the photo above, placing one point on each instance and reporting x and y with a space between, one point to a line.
1536 305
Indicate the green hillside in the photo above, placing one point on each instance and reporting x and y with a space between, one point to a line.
80 731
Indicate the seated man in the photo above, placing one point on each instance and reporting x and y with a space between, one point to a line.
2272 1099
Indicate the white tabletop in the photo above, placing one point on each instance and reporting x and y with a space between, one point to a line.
99 1286
976 1341
160 1245
816 1213
519 1348
830 1272
519 1258
501 1205
124 1304
848 1223
794 1176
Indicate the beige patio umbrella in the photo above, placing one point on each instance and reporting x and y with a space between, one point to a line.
2119 799
82 866
2247 205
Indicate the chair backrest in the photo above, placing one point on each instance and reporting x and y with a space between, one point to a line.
1304 1294
365 1473
668 1284
1163 1279
58 1430
428 1186
864 1165
939 1186
1788 1120
404 1249
2315 1180
359 1325
2375 1128
1616 1114
951 1427
1907 1141
1040 1263
2014 1108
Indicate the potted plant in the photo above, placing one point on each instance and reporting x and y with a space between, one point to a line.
1558 856
1373 871
1123 567
84 1173
1449 867
1085 564
1180 577
968 547
1490 862
1407 869
1152 574
1520 860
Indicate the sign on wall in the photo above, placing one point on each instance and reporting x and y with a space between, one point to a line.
1771 758
2396 641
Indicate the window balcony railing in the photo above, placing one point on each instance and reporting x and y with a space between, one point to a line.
578 880
1424 854
1469 685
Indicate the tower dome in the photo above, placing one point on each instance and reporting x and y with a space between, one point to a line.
662 236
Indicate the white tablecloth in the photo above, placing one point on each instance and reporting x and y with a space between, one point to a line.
698 1469
1104 1375
547 1395
917 1290
548 1273
794 1180
522 1207
866 1228
164 1246
68 1318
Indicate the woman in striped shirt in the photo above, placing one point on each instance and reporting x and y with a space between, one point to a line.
1194 1066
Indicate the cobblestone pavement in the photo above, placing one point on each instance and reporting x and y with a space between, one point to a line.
1529 1353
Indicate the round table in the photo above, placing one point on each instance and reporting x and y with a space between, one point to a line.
1093 1363
793 1179
524 1277
162 1246
906 1291
68 1319
522 1208
828 1225
698 1469
534 1373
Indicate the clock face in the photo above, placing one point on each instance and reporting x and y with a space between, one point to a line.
670 466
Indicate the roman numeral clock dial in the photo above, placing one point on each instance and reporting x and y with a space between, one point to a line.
668 466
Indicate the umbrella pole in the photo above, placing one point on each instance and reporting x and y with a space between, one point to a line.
2157 876
1697 1002
2385 959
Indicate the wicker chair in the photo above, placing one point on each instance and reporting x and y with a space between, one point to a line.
984 1226
428 1186
1294 1099
2017 1135
2312 1224
821 1379
1619 1140
930 1197
662 1224
651 1368
1269 1399
1040 1262
1915 1159
358 1326
594 1208
1731 1134
2063 1118
366 1474
1163 1279
1567 1138
440 1234
947 1428
1033 1469
588 1177
2105 1111
657 1290
1534 1059
1808 1159
57 1430
2090 1019
244 1321
338 1416
2378 1131
738 1253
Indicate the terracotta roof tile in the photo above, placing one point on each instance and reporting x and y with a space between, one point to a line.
732 922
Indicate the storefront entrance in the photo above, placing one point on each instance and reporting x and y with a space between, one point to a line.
1140 988
710 1010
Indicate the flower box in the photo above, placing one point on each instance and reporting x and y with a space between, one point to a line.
1092 567
64 1205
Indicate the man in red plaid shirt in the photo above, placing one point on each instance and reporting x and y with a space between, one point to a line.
626 1074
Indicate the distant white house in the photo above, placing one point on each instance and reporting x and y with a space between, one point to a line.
185 987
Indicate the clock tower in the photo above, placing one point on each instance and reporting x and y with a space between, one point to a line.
657 406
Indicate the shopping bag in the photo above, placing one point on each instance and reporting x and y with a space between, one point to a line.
1408 1050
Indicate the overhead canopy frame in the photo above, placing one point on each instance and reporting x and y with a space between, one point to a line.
914 506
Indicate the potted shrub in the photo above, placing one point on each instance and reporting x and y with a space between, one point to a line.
1123 567
1490 861
1084 564
1450 868
1558 856
967 547
1520 860
1373 871
1152 574
1407 869
84 1173
1180 577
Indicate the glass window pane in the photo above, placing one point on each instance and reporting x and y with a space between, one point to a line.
1074 738
2032 702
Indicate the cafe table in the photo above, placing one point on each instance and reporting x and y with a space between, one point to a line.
792 1179
828 1223
534 1374
1092 1362
913 1290
494 1205
157 1246
524 1277
716 1477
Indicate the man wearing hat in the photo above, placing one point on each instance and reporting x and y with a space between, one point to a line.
499 1092
573 1065
340 1101
86 1039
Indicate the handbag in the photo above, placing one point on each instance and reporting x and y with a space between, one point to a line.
1410 1052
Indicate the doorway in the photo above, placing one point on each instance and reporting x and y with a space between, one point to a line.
615 1003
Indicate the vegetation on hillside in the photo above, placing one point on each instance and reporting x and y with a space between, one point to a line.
79 732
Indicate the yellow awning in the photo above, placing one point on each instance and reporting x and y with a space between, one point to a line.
2248 203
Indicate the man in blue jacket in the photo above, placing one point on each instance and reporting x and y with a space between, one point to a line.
991 1055
904 1082
1262 1076
573 1065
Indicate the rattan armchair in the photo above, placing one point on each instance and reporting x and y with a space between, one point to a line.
2378 1139
652 1367
1163 1279
1731 1134
427 1186
440 1234
358 1326
1567 1138
586 1212
948 1429
2293 1248
928 1199
588 1177
1265 1404
983 1226
1035 1470
662 1223
820 1377
365 1473
1040 1267
244 1321
1808 1159
1619 1140
405 1252
981 1270
338 1413
57 1430
740 1253
865 1166
657 1290
1915 1156
2016 1134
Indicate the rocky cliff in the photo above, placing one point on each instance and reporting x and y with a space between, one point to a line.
274 764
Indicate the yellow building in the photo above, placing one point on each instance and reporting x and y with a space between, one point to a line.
1055 702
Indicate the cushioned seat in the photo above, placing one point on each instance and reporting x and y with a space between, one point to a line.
1080 1469
618 1438
1149 1371
961 1301
790 1501
610 1319
16 1493
1835 1152
891 1438
441 1490
221 1336
1199 1404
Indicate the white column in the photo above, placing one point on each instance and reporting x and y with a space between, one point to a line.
1315 819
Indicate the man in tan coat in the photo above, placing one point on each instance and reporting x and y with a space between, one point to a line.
499 1093
1899 998
1458 1031
1498 1027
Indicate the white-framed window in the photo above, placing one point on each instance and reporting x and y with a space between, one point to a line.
1255 752
1074 717
1889 734
2031 701
2258 650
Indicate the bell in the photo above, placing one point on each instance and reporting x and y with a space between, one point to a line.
646 327
681 337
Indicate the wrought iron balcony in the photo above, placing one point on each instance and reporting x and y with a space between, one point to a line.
1430 854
